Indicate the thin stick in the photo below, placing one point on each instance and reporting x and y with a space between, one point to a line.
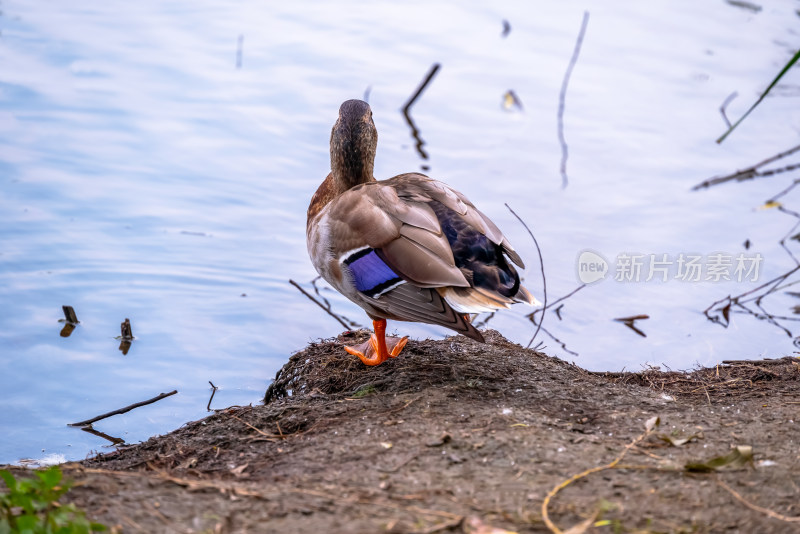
565 297
125 409
318 303
783 71
757 508
552 493
213 392
541 266
745 174
270 437
563 96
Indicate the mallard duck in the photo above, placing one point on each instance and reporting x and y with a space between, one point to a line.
408 248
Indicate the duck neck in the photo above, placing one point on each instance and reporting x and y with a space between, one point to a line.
351 164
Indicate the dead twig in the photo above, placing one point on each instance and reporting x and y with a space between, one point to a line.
213 392
123 410
446 525
757 508
538 346
400 464
749 173
318 303
553 492
774 82
557 301
541 267
270 437
630 322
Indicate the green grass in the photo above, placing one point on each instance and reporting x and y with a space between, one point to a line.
30 506
783 71
363 391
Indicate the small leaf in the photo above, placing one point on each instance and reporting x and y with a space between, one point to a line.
678 442
739 457
51 477
9 479
27 523
726 313
441 440
651 423
770 204
582 527
511 100
237 471
474 525
783 71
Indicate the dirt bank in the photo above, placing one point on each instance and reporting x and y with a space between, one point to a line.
457 436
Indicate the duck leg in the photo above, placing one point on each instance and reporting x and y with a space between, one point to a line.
378 348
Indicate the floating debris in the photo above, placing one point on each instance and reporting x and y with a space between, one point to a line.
749 6
770 204
125 328
69 315
511 100
70 320
629 322
126 336
506 28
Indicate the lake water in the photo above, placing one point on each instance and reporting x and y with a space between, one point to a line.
157 161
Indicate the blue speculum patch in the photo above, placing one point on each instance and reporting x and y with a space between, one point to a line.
371 275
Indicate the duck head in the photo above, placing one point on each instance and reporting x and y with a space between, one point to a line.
354 140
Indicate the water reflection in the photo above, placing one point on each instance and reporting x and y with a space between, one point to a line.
146 173
407 113
719 312
114 441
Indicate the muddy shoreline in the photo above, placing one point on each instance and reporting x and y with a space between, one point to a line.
458 436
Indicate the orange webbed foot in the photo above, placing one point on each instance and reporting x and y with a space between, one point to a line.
378 348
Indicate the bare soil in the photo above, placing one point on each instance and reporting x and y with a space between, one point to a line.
458 436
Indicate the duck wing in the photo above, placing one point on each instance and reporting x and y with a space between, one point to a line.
414 250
